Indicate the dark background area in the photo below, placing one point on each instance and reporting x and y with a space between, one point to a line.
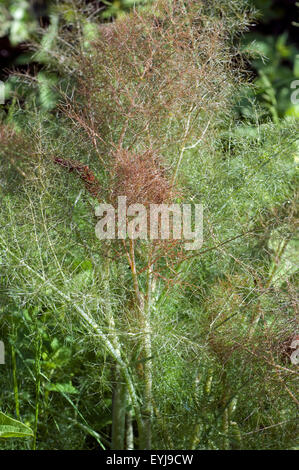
278 17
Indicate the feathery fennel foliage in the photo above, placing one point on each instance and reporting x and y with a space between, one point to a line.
164 351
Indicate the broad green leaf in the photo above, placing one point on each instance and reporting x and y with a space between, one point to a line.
10 427
62 388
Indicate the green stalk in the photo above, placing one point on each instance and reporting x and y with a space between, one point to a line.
148 374
225 429
144 309
38 346
15 382
119 412
120 393
129 430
